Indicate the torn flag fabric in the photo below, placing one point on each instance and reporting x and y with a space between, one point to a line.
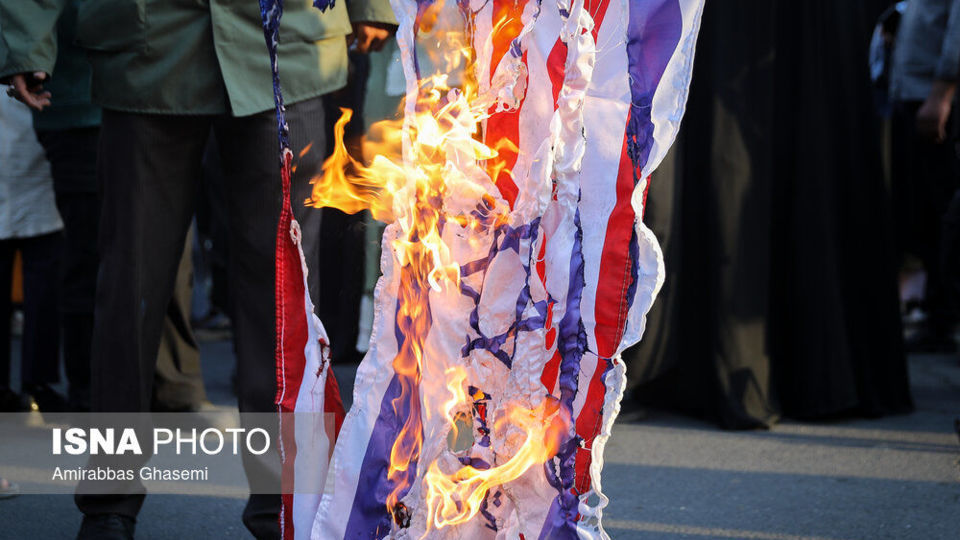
516 269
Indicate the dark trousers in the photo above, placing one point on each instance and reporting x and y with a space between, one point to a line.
924 180
950 253
150 169
41 336
213 233
73 160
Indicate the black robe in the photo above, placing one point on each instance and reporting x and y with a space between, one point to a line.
773 212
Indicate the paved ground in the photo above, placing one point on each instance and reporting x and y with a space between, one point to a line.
674 478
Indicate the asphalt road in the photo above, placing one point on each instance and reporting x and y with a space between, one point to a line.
675 478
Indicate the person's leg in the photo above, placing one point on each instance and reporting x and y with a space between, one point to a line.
178 382
73 161
8 250
249 155
40 360
214 230
950 253
936 180
149 168
924 178
940 317
341 285
904 170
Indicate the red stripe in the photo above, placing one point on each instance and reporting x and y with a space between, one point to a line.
590 418
291 339
556 60
555 65
589 422
504 125
281 262
294 340
507 16
614 260
614 278
541 264
332 404
556 68
610 312
551 371
612 285
598 9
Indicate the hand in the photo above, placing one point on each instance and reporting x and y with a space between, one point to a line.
370 36
28 89
933 114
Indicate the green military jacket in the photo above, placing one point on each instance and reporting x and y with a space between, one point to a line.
190 56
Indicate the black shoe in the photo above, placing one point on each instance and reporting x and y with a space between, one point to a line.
107 527
10 401
40 397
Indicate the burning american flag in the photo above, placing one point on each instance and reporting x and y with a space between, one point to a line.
516 268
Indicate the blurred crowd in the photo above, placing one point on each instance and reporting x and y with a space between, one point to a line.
809 212
140 196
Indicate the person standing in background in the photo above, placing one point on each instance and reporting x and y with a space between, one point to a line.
197 66
69 130
341 285
8 489
774 219
30 224
926 64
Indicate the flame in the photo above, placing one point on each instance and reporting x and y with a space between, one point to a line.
455 498
407 184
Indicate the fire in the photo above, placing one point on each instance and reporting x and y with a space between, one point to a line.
456 497
416 166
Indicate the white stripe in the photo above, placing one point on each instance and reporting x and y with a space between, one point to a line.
310 424
373 378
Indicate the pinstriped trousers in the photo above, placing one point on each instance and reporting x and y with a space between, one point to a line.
149 169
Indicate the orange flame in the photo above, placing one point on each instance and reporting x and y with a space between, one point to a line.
415 164
455 498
